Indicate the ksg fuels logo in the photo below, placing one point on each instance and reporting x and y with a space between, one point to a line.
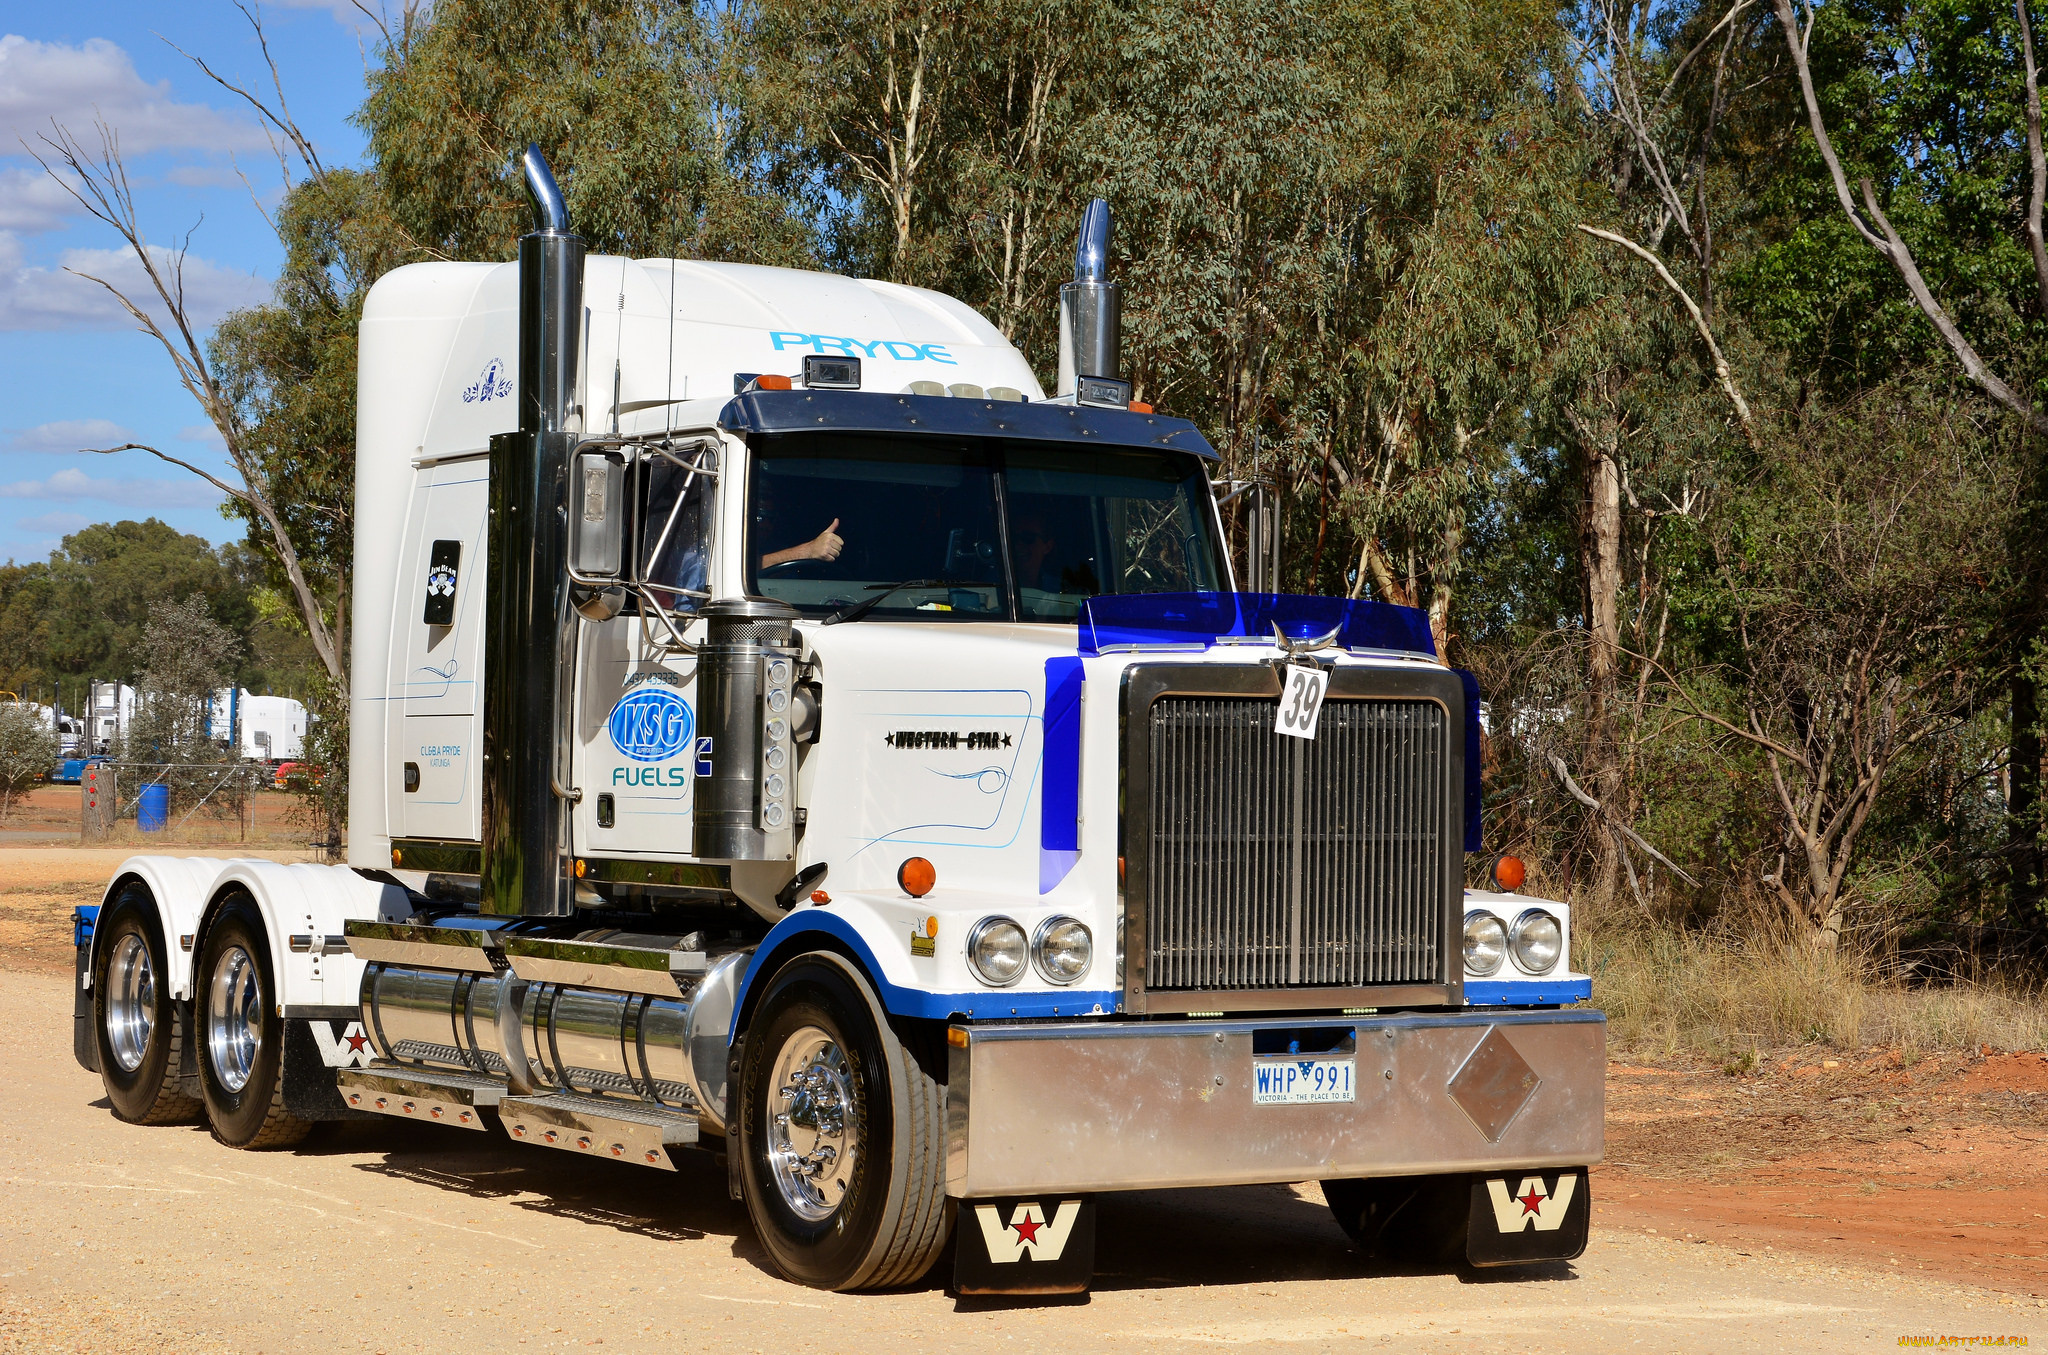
651 724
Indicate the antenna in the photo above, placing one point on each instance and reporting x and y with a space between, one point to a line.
670 403
619 348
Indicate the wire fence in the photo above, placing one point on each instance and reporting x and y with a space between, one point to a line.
155 797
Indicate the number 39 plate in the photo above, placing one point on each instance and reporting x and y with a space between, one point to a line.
1301 701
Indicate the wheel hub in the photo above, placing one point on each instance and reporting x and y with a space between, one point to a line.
813 1124
234 1018
131 1002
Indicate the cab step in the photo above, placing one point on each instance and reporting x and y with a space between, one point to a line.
435 1095
640 1134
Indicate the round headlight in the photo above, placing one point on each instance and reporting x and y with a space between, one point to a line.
1536 940
1062 949
1486 942
996 951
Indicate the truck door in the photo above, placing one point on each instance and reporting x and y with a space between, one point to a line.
636 706
437 656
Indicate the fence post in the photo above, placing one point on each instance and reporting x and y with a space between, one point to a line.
98 796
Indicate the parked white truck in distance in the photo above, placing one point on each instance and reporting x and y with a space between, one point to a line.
781 730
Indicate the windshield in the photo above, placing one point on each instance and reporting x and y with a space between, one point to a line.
985 530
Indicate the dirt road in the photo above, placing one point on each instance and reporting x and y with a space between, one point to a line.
416 1237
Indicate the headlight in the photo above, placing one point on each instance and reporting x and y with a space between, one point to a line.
1062 949
996 950
1486 942
1537 940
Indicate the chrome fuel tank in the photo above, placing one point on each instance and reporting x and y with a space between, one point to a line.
668 1051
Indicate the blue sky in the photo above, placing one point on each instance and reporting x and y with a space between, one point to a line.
73 370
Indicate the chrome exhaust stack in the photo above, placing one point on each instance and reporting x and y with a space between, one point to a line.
528 662
1091 319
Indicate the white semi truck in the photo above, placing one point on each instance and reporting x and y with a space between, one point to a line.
779 730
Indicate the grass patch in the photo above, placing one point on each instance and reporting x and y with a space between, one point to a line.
1668 993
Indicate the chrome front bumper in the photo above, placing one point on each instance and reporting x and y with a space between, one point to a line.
1136 1105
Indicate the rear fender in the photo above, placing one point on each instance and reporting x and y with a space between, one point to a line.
180 887
311 901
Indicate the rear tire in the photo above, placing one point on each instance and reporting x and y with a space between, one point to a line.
241 1036
137 1024
1398 1219
841 1133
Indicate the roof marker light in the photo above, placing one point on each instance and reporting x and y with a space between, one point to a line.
830 372
916 876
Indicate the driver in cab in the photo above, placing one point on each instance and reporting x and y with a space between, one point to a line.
826 545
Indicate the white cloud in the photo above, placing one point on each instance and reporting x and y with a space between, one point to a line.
32 201
347 15
69 435
41 81
127 492
37 298
203 433
54 524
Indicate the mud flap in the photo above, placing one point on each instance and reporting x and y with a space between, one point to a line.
1522 1217
85 1045
310 1091
1041 1245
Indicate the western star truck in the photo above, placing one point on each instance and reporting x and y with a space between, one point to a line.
779 730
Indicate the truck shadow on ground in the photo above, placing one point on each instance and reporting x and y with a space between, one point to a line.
1157 1240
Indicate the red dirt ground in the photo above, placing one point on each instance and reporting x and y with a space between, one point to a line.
1938 1165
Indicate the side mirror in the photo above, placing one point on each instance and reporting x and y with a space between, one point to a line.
597 514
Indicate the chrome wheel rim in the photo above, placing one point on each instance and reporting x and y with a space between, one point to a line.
234 1018
813 1130
131 1002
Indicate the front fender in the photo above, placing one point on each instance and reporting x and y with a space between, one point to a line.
876 931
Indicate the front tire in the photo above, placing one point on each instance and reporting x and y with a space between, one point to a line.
842 1133
136 1022
241 1036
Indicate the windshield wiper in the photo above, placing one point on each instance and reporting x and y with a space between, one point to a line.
854 611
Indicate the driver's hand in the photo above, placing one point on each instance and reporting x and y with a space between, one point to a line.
826 545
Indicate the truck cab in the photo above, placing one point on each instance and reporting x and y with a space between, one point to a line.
779 727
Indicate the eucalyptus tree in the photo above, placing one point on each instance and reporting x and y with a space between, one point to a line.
627 98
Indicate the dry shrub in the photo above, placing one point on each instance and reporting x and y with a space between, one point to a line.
1726 997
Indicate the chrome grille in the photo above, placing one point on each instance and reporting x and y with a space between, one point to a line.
1277 862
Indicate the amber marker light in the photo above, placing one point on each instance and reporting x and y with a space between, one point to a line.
1140 407
956 1037
820 897
771 383
917 877
1508 873
581 866
931 927
397 857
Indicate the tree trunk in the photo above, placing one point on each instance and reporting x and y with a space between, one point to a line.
1600 566
2023 806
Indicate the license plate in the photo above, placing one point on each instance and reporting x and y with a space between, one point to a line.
1303 1082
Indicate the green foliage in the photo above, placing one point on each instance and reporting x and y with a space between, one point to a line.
622 94
83 614
186 657
1928 101
28 750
